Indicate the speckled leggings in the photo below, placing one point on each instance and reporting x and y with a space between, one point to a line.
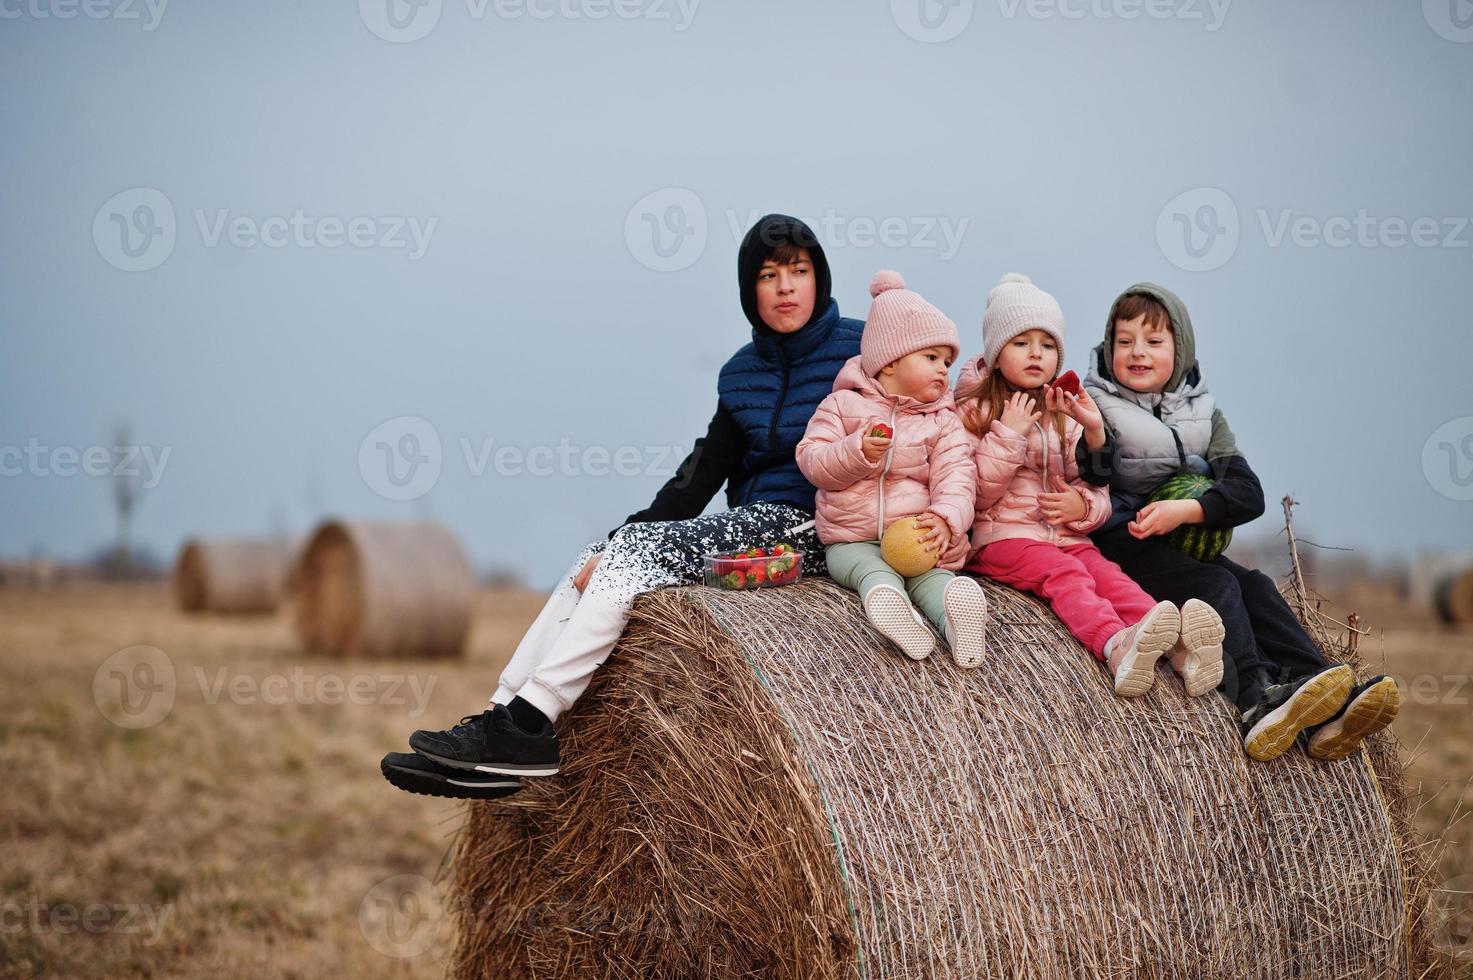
574 633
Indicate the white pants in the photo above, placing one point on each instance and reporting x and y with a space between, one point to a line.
573 634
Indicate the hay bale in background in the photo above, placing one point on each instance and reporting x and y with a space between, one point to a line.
232 575
756 785
383 590
1454 598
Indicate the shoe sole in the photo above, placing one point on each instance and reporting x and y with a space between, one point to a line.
1136 673
890 612
1315 702
1372 711
966 612
496 768
423 784
1200 661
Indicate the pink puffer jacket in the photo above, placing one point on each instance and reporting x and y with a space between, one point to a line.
1012 470
928 466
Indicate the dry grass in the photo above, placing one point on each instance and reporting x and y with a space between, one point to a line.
254 832
243 837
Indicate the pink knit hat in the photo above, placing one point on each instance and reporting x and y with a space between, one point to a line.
901 323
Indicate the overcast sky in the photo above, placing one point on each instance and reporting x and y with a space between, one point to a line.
291 244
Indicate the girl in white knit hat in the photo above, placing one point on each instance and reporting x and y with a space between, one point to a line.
1034 445
886 445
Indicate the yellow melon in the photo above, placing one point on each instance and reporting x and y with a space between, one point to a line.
903 551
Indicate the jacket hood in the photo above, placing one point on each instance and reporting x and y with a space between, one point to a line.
973 371
851 377
761 239
1181 328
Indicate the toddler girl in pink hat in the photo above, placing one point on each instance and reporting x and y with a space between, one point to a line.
923 468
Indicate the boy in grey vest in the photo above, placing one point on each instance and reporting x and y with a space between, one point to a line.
1147 383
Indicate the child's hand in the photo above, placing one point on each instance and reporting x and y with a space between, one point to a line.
1081 408
1164 516
933 529
1016 414
1064 504
873 447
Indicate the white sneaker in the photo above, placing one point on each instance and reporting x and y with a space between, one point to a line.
1197 655
889 611
966 621
1135 649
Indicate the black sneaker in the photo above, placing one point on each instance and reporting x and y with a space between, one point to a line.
1370 708
414 773
1272 725
491 742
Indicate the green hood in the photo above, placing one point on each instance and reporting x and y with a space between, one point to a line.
1181 326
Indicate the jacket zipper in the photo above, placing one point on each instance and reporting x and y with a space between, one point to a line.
782 398
1043 434
886 469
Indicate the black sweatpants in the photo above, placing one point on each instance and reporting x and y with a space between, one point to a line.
1264 642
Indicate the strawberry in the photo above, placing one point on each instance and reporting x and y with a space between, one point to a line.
758 573
734 580
882 431
1068 381
780 549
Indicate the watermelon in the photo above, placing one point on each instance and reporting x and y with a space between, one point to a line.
1193 540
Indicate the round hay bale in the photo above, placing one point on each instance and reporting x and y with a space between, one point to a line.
231 575
1454 598
383 590
756 785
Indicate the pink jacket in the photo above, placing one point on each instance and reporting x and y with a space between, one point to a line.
928 466
1012 470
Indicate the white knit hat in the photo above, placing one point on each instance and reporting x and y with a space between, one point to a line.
1016 306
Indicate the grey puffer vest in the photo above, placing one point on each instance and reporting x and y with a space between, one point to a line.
1157 435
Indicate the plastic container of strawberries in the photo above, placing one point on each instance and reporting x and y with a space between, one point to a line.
737 570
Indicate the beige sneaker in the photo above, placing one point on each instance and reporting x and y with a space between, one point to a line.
966 621
1197 656
889 611
1135 650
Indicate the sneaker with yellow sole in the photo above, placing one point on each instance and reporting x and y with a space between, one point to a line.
1285 710
1370 708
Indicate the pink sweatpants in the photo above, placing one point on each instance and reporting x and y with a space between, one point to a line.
1088 591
